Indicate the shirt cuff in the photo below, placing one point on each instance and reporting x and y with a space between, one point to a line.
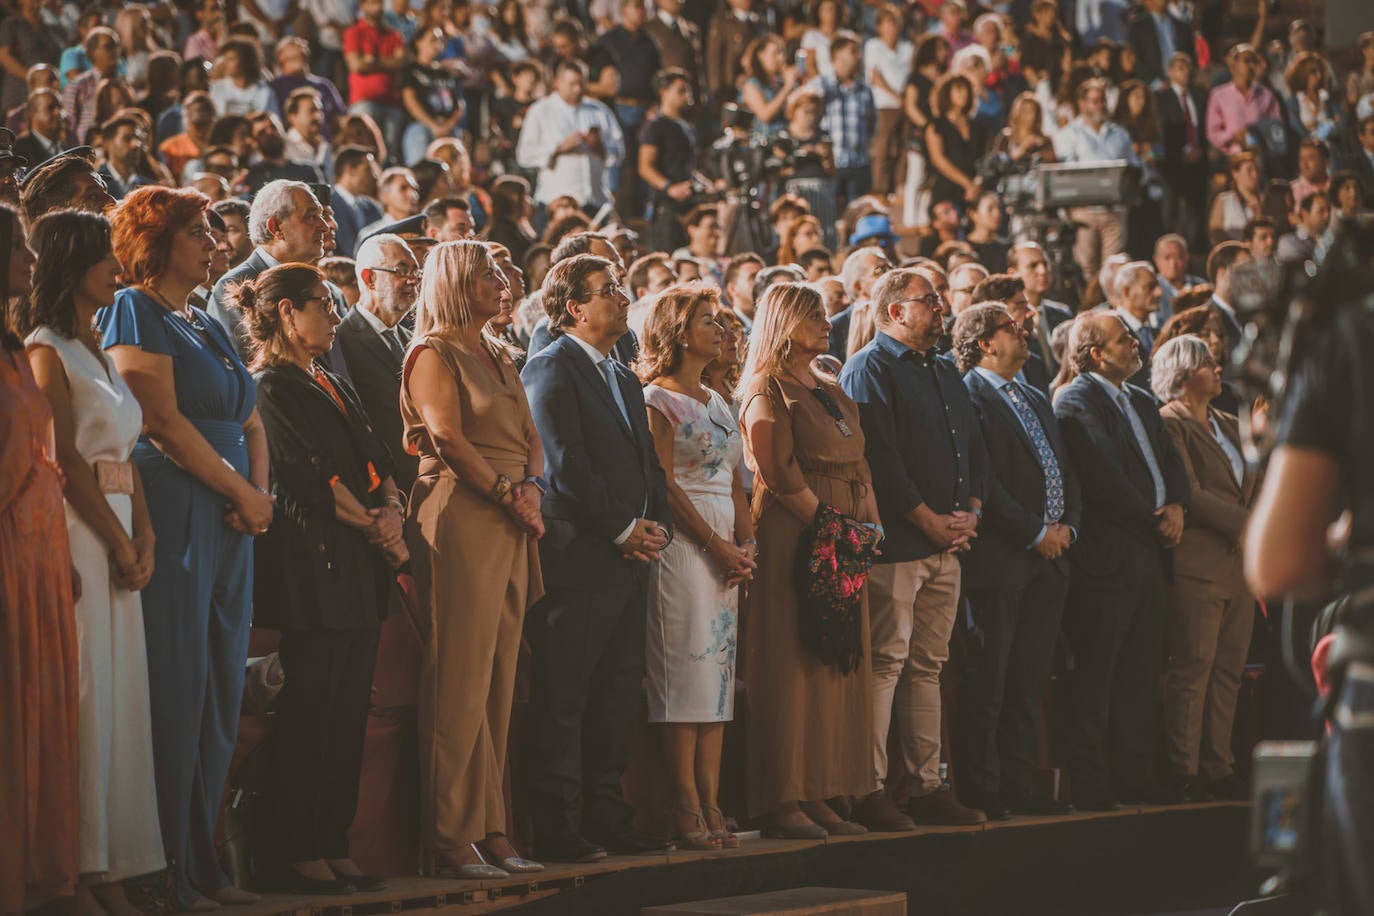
1044 530
625 535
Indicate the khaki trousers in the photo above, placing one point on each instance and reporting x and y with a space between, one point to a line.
1103 234
885 149
1208 638
912 608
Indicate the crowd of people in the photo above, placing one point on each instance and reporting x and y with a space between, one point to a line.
452 293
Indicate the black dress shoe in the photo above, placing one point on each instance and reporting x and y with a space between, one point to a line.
1039 806
574 849
634 843
990 803
1229 788
293 882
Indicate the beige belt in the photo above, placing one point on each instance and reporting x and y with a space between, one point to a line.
115 476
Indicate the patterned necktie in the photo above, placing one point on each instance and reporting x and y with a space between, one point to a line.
1049 463
1143 440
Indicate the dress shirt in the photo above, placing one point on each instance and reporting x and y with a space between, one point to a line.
923 442
848 117
388 335
893 64
298 149
548 123
599 360
1078 142
1122 400
1232 453
1229 109
1140 330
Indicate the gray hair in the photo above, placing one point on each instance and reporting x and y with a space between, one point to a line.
1106 274
1088 332
370 253
1126 276
854 268
274 201
1173 362
1170 238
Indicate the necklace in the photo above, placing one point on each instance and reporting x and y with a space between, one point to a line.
188 315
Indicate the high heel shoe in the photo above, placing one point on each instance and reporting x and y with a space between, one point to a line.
698 840
515 864
727 839
480 870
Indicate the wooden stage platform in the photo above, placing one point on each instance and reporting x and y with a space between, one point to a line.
1124 862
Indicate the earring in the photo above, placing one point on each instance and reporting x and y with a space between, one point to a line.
787 349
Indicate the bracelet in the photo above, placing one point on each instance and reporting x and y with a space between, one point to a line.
397 503
501 489
706 547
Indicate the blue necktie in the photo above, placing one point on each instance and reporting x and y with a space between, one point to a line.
1143 440
1054 478
608 373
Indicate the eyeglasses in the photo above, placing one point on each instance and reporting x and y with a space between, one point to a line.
404 274
329 300
1003 326
610 289
929 300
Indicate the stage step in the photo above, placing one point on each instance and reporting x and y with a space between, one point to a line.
798 901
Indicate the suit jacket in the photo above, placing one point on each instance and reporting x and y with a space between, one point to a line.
726 40
680 46
1180 174
1231 323
34 150
1360 164
376 375
603 474
1052 315
351 219
117 189
1118 492
1150 63
1036 374
312 571
839 334
1014 508
1210 552
626 349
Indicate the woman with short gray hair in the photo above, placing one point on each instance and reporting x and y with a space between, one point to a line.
1210 612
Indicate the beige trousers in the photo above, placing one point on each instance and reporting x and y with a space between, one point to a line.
912 608
1103 234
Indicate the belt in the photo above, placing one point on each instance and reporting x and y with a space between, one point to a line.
625 100
115 477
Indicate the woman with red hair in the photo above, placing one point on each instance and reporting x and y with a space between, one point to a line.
203 461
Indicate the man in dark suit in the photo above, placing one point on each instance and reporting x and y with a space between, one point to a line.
1224 259
1137 295
286 224
373 340
626 349
1016 573
1135 492
1156 37
1028 262
356 174
1362 160
43 139
734 25
1182 112
124 143
678 39
606 517
1010 291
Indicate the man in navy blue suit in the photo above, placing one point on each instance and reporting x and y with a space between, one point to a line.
1135 492
356 174
606 517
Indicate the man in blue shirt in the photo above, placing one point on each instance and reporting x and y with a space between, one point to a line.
929 468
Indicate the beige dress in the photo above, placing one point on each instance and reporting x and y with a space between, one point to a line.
810 727
476 574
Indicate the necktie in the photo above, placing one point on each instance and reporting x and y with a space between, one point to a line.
392 338
1044 452
608 373
1147 341
1142 439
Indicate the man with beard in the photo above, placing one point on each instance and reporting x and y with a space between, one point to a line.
124 143
234 214
274 166
1135 490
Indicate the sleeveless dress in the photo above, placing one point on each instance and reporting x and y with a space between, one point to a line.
119 831
476 575
808 724
39 809
690 639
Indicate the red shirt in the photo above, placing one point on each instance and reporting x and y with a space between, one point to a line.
362 37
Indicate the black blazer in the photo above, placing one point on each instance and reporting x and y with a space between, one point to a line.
376 375
351 219
1180 174
32 149
1014 508
311 571
602 473
1118 492
1150 63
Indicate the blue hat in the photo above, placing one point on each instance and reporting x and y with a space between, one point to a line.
874 225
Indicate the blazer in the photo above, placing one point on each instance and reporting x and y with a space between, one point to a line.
1180 174
626 349
1150 63
1210 551
603 474
1360 164
680 46
1118 492
351 219
1052 315
33 149
1014 508
376 375
311 571
726 40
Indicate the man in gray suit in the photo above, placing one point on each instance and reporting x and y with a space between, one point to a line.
286 224
373 340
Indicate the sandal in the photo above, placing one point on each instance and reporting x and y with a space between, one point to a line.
702 840
727 839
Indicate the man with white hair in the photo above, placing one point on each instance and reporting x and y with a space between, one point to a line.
373 340
963 280
285 224
1027 260
860 271
1171 264
1137 297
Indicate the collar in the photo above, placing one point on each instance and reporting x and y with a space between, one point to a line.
298 137
744 15
892 345
125 181
1135 324
202 291
372 320
46 141
1113 391
263 253
345 195
995 380
666 19
593 354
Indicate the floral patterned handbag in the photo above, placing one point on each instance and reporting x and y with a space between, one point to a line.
833 558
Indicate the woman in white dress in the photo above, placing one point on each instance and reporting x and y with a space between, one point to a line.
693 591
97 421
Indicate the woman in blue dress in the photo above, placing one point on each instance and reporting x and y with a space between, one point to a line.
203 460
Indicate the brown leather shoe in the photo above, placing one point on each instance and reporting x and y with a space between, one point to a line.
880 814
941 808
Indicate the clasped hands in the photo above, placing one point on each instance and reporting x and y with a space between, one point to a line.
387 533
1170 524
646 539
1058 537
951 532
131 563
523 505
251 513
736 562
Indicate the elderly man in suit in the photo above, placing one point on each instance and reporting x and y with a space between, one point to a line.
1027 260
1171 260
1211 613
606 518
1136 293
1016 573
1182 108
1135 492
373 339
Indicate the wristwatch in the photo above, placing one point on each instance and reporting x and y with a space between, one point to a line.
540 483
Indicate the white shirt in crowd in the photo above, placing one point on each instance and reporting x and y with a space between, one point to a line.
1078 142
893 64
548 123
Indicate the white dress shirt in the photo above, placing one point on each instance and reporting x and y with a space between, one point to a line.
893 64
580 174
1078 142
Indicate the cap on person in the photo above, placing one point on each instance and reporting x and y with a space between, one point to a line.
871 226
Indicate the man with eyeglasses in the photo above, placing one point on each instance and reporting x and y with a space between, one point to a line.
1016 575
626 349
374 336
928 462
963 280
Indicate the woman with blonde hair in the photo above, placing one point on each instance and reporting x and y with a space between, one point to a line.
802 438
473 522
693 589
1024 136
